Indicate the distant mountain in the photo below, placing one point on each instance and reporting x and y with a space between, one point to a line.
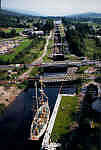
18 12
8 13
25 12
86 15
22 12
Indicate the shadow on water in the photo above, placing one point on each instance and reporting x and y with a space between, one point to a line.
16 121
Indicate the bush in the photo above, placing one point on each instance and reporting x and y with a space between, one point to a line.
98 79
2 108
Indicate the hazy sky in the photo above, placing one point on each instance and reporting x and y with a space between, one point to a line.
55 7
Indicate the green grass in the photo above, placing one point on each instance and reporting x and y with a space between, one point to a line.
8 30
72 58
10 57
64 117
3 75
19 30
34 71
25 53
91 48
28 57
62 31
35 52
49 51
82 69
46 59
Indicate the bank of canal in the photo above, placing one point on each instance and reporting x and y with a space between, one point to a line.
65 117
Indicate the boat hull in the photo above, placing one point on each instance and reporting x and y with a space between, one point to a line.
40 122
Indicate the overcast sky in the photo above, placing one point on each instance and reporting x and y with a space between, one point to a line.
55 7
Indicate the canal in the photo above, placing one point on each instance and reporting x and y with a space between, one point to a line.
16 121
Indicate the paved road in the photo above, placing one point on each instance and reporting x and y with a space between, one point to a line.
37 61
62 63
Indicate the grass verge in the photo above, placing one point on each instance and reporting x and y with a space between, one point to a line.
64 117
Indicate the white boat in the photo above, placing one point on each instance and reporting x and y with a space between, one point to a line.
41 118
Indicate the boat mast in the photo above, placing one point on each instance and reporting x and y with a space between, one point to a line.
42 90
36 94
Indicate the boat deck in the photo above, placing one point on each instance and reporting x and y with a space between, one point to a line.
40 120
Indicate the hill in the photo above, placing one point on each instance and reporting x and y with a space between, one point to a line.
25 12
18 12
4 12
86 15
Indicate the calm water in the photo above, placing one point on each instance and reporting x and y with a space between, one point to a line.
16 121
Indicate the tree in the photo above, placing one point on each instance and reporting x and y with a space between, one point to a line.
13 32
18 20
76 42
48 26
2 34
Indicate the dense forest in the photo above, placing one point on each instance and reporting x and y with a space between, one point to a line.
83 38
